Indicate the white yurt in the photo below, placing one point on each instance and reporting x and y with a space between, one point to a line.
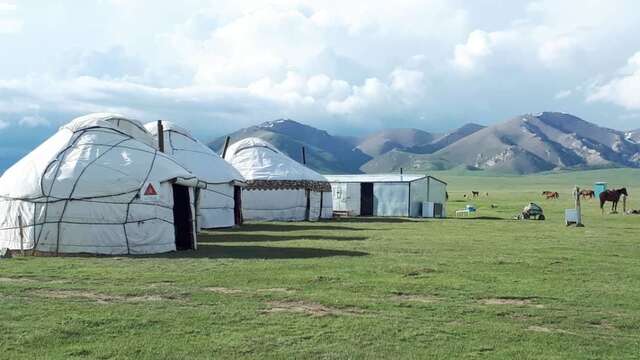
98 186
219 202
278 187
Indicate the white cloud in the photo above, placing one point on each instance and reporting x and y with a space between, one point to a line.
330 63
33 121
623 89
4 124
10 26
563 94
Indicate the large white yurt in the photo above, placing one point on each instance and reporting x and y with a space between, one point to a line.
219 202
278 187
98 186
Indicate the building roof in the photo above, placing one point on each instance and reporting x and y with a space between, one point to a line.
375 178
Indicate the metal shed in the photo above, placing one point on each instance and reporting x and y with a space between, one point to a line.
400 195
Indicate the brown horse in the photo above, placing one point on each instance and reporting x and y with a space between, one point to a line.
475 194
614 197
587 194
551 195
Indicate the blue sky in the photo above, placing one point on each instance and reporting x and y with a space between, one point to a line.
214 66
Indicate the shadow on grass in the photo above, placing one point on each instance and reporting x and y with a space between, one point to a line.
381 220
284 227
248 237
480 218
209 251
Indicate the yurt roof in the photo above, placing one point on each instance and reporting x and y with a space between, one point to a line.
194 155
260 163
91 157
131 127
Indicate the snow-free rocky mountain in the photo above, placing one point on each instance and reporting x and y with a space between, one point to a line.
324 153
525 144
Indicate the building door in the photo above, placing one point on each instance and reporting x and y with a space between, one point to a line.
182 218
366 199
237 205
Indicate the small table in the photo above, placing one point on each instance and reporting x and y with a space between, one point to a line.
465 212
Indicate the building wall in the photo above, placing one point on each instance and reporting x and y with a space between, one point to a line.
391 199
346 197
418 196
437 192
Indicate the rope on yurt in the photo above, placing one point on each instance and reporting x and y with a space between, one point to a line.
126 219
75 184
58 161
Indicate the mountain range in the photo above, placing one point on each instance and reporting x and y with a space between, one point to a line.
525 144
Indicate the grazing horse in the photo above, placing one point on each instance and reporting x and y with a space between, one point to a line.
587 194
475 194
551 195
613 196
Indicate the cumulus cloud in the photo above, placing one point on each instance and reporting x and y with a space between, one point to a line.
3 124
33 121
623 89
9 23
334 64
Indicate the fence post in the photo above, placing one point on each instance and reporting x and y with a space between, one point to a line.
624 204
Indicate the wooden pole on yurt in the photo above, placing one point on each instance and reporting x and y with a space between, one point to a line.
307 192
160 136
226 146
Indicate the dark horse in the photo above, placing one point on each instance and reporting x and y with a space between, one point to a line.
613 196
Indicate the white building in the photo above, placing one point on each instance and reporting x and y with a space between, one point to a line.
219 200
98 186
387 194
278 187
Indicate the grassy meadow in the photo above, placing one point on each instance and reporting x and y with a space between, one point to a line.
485 287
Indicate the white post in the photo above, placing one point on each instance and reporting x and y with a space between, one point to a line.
624 204
578 210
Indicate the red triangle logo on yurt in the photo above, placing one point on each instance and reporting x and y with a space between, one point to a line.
150 191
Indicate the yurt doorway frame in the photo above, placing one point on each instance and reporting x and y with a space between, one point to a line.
366 199
182 218
237 204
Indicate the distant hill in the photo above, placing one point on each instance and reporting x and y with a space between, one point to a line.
633 135
446 139
383 141
525 144
325 153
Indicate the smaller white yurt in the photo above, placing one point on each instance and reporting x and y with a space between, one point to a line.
278 187
98 186
219 201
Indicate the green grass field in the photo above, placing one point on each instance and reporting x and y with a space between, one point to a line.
488 287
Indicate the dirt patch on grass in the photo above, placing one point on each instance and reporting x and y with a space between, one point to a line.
515 301
420 272
97 297
307 308
420 298
223 290
10 280
602 324
544 329
276 290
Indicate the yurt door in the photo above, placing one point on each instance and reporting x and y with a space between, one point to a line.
182 218
366 199
237 204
